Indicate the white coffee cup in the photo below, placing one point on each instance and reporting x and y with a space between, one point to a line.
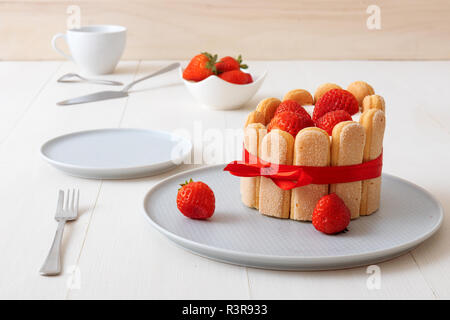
96 49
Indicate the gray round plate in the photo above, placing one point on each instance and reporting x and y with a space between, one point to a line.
239 235
117 153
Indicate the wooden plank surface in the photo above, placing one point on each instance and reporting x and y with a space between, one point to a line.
285 29
117 254
28 186
21 83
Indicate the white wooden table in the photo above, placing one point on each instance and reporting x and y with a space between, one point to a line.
112 252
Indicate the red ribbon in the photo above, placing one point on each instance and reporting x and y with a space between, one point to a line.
288 177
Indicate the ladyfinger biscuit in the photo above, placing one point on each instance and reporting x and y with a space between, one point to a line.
311 148
255 117
360 89
268 107
347 148
276 147
374 122
373 102
324 88
301 96
253 135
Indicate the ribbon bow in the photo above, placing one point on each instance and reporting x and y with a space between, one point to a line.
288 177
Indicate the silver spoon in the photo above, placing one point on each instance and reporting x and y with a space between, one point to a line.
73 77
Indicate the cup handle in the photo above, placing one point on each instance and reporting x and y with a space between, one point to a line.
55 37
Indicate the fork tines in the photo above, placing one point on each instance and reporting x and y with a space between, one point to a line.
67 203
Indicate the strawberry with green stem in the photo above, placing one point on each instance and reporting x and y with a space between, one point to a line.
196 200
201 67
229 63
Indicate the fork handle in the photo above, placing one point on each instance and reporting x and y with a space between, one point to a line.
52 265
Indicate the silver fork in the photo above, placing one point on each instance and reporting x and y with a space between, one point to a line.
66 210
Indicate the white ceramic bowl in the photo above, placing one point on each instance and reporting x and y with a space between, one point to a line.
217 94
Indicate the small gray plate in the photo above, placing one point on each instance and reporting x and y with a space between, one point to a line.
239 235
117 153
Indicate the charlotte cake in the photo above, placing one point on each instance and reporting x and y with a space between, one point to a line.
350 142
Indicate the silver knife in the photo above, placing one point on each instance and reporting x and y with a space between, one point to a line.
105 95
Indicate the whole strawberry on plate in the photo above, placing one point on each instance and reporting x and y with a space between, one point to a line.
200 67
229 63
236 77
196 200
331 215
290 122
335 99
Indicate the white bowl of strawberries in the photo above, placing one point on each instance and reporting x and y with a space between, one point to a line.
220 85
